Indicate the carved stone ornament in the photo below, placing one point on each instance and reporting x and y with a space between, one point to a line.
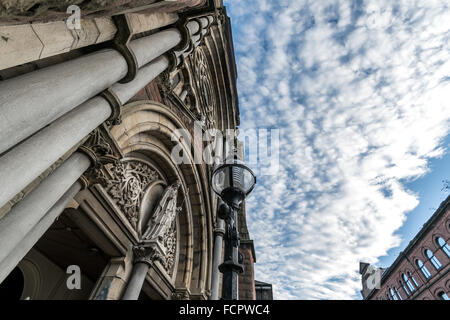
161 228
163 81
148 254
100 151
205 89
127 184
98 148
180 295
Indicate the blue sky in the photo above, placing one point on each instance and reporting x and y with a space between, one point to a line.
429 190
360 92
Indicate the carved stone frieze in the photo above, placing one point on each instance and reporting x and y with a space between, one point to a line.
126 186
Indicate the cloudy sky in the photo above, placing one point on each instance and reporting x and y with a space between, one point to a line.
360 91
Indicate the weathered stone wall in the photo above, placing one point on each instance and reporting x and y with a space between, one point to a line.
22 11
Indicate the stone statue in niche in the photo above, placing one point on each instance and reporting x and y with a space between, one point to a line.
161 228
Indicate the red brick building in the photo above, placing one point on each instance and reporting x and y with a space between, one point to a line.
247 249
421 271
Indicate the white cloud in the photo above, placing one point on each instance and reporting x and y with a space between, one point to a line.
359 96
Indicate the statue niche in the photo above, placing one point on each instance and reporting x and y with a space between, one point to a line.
151 208
161 233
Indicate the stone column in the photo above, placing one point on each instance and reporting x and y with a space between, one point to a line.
145 255
22 164
183 95
25 215
28 160
112 282
33 100
217 258
22 248
143 77
136 282
193 27
148 48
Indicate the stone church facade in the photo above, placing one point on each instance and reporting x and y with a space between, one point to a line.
89 119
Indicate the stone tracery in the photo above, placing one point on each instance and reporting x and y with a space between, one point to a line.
204 85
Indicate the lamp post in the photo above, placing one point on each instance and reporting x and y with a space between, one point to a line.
233 182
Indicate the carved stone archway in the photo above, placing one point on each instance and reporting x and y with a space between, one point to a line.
145 132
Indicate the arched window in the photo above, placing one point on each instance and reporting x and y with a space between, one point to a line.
398 293
402 284
393 295
423 269
443 296
408 283
444 246
413 280
436 263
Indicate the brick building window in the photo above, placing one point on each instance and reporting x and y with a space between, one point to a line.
423 269
398 293
436 263
393 295
413 279
408 283
443 296
402 284
444 246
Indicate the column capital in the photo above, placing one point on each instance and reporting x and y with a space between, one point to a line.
181 294
101 150
148 253
219 231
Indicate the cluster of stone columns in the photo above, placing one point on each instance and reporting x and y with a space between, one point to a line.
46 113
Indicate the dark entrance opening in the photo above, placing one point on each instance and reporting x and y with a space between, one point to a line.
11 288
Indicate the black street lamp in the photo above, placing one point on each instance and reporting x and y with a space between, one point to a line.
232 181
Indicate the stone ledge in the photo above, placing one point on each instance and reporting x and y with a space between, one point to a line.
20 44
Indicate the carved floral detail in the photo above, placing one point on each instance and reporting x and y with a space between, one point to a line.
128 183
170 243
148 254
